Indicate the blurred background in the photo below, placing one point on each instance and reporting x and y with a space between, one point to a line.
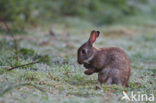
98 12
39 40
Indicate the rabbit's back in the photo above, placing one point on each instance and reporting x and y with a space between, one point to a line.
111 56
116 58
115 64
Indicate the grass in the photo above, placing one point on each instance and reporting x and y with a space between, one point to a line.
58 78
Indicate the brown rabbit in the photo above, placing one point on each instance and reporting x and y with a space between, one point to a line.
111 63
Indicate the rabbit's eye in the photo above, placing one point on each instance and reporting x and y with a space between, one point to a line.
83 51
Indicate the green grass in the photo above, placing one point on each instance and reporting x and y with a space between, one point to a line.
58 78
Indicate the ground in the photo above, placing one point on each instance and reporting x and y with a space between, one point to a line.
59 78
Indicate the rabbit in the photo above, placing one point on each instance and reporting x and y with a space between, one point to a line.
111 63
90 70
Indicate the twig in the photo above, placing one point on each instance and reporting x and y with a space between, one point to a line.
14 39
7 27
0 60
23 65
16 49
50 75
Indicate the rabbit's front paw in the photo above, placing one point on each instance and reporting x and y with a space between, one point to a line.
89 71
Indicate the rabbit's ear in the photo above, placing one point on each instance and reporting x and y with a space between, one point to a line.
94 34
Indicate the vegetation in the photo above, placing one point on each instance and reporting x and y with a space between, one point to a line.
59 78
98 12
40 64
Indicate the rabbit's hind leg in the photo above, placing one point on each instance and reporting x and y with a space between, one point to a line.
117 81
103 76
109 81
105 79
